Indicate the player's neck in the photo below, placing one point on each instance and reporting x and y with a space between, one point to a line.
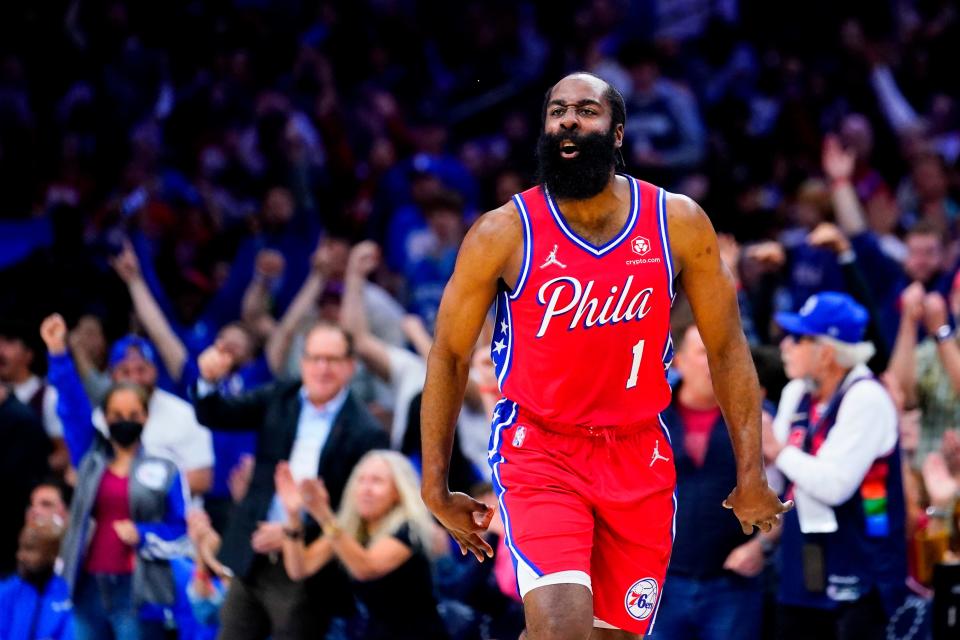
593 211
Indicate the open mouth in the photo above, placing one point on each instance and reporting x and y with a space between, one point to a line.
569 149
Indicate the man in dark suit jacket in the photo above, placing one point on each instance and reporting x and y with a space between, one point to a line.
713 587
322 430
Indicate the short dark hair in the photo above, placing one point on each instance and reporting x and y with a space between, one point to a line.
332 326
618 110
62 488
927 228
256 342
444 200
139 391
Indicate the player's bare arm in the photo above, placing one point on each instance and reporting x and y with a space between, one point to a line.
491 251
710 288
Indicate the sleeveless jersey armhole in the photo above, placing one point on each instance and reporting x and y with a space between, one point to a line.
514 293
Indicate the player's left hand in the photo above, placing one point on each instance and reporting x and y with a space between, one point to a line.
755 504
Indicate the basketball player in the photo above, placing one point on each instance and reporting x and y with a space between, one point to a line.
583 269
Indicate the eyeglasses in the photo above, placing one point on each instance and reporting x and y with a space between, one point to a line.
318 358
801 337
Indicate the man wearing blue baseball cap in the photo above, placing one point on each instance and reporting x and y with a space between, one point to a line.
171 430
835 441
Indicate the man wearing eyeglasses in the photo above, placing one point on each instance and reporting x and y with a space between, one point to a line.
318 426
835 440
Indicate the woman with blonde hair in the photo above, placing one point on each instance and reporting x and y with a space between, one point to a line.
382 536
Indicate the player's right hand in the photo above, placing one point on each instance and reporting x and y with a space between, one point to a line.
466 519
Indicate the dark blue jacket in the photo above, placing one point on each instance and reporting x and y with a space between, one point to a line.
706 532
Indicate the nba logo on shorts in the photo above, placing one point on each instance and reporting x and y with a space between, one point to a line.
518 437
640 246
641 598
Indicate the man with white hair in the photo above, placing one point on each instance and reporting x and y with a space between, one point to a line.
835 441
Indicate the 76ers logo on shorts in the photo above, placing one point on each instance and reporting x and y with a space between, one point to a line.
640 246
641 598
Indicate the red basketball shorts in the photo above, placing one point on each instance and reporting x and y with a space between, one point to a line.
591 508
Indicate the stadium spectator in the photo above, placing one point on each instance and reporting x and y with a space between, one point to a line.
127 519
383 535
210 579
319 426
249 371
664 127
88 346
35 603
489 589
23 463
432 253
713 588
929 372
172 430
405 371
19 357
221 158
50 500
835 440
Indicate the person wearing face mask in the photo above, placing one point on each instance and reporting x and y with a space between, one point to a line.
127 519
382 536
35 603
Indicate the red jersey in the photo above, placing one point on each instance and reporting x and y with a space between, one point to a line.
584 338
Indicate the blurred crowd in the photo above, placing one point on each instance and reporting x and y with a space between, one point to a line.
227 227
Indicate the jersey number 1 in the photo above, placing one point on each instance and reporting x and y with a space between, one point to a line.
635 366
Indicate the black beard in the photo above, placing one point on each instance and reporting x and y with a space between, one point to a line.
581 177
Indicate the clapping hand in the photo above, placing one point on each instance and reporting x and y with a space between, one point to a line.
364 258
912 302
935 313
941 486
239 480
951 452
316 499
287 491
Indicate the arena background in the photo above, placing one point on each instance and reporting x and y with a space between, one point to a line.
203 132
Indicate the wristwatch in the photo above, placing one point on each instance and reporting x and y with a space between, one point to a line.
944 333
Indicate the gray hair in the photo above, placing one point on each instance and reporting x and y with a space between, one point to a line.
849 355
